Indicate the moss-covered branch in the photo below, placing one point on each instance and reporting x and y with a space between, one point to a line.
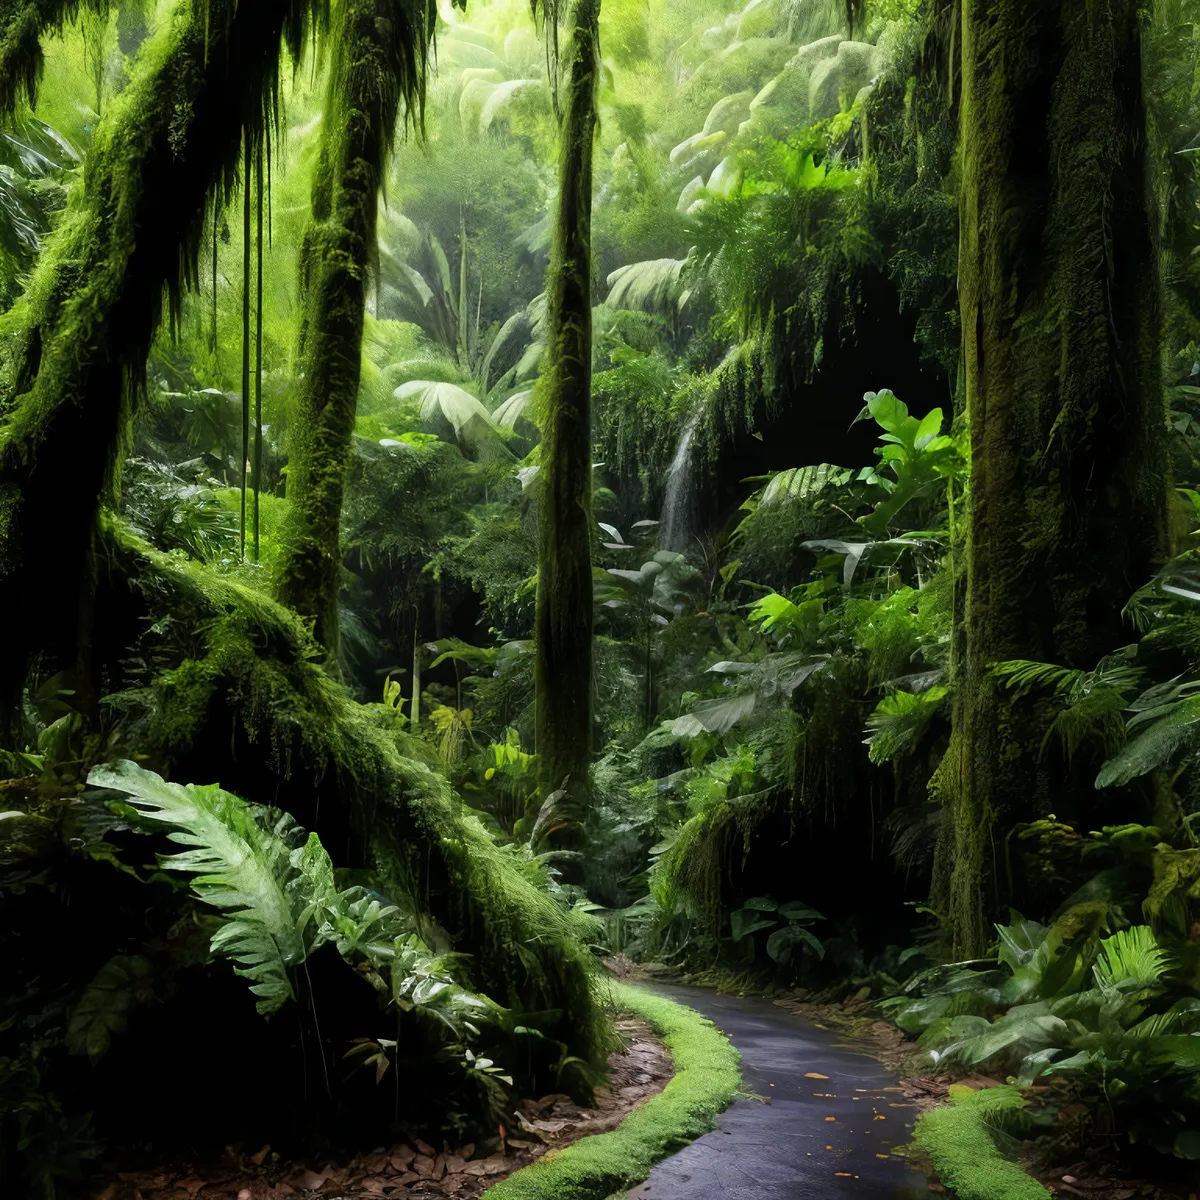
23 25
251 702
128 243
564 593
380 61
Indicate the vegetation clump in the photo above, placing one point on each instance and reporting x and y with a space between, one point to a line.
499 490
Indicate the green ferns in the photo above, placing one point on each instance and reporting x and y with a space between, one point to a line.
1107 1010
277 891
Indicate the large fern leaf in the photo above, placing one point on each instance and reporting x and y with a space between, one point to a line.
278 893
238 867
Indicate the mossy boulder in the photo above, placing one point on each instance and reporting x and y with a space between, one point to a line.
835 82
758 19
728 113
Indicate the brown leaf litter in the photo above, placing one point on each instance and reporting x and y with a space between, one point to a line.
416 1170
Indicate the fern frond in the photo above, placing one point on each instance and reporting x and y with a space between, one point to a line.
654 285
277 890
1023 674
900 720
239 867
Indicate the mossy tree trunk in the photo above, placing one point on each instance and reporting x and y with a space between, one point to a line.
23 26
1059 298
564 591
380 58
98 293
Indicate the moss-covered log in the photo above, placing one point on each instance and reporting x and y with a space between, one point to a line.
564 592
128 241
379 61
246 699
1059 294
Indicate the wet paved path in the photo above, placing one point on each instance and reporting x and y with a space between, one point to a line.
815 1138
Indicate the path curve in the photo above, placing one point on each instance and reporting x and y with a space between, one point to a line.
788 1148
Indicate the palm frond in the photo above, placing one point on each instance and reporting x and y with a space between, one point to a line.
654 285
1131 960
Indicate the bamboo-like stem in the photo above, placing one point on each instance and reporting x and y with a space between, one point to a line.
258 357
245 338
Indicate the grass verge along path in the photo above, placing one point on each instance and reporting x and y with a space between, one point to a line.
706 1078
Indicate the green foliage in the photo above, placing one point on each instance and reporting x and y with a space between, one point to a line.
915 452
269 896
789 925
277 893
103 1009
1106 1010
1090 702
899 721
1165 720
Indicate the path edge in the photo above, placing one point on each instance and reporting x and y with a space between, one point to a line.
707 1076
959 1138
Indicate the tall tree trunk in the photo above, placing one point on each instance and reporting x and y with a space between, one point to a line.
379 60
1059 294
564 592
132 241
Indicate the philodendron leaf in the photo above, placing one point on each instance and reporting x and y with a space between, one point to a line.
745 921
103 1008
783 942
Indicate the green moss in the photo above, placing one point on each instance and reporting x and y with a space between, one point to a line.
252 662
959 1139
97 296
706 1078
380 59
563 621
23 25
1063 392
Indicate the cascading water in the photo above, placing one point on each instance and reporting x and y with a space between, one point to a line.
675 523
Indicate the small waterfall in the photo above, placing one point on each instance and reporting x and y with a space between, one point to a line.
675 524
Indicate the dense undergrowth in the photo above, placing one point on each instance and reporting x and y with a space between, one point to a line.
788 493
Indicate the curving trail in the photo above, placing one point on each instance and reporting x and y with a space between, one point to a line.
789 1148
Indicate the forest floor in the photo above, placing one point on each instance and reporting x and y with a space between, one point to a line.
416 1169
